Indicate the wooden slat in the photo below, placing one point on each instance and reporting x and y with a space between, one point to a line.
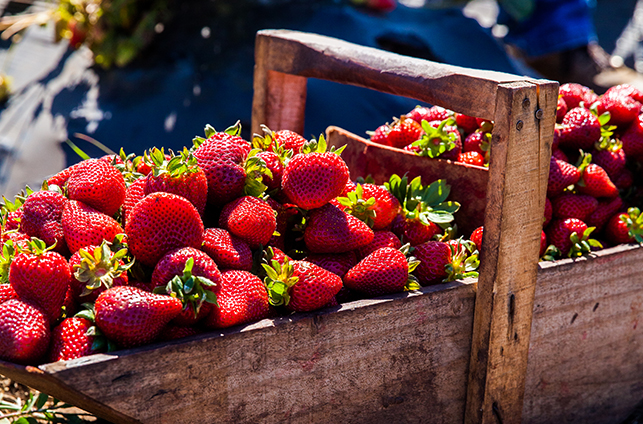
511 240
467 91
403 357
586 352
468 183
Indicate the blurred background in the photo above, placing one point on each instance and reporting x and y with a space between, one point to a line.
137 74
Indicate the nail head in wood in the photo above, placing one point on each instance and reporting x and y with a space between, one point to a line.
539 114
519 125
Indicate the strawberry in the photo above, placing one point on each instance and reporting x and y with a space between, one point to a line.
414 230
371 203
632 139
594 180
476 237
467 123
624 179
300 286
433 113
434 256
85 226
289 140
162 222
606 208
42 218
74 338
95 269
609 155
570 236
24 332
249 218
380 135
7 292
337 263
549 212
98 184
179 175
275 165
569 205
134 193
627 90
331 230
574 94
560 155
313 178
384 271
561 109
193 277
132 317
471 158
403 132
440 140
580 129
228 251
622 109
242 298
626 227
41 277
561 176
382 238
477 141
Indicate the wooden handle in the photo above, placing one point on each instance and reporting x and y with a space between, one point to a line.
285 59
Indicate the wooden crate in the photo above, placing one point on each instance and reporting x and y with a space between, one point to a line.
447 354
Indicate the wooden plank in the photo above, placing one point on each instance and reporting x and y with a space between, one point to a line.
586 351
400 358
468 183
513 223
467 91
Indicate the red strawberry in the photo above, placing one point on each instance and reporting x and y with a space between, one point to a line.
440 140
624 179
471 158
242 298
561 109
60 179
580 129
467 123
42 218
337 263
301 286
228 251
404 132
192 276
414 230
560 230
574 94
7 292
627 90
162 222
476 237
569 205
275 165
543 243
41 277
95 269
97 184
85 226
606 208
24 332
610 156
595 182
384 271
622 109
380 135
134 193
560 155
632 139
179 175
434 256
289 140
72 339
477 141
382 238
331 230
561 175
549 212
313 178
132 317
249 218
433 113
371 203
624 228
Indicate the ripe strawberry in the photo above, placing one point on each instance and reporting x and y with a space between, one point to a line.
179 175
134 193
95 269
24 332
569 205
622 109
471 158
42 218
331 230
300 286
627 90
624 228
98 184
249 218
382 238
609 155
193 277
580 129
606 208
574 94
380 135
560 155
467 123
404 131
132 317
74 338
289 140
561 175
384 271
433 113
477 141
41 277
561 109
549 212
313 178
337 263
476 237
228 251
560 231
434 256
594 180
85 226
275 164
414 230
162 222
7 292
242 298
371 203
632 139
624 179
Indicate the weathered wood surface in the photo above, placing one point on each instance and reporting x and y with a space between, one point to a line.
520 149
468 183
586 352
468 91
402 358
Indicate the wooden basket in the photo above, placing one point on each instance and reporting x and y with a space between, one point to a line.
449 353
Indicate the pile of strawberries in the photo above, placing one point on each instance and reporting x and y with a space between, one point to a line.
124 250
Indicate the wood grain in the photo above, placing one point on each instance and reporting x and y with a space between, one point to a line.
586 350
402 358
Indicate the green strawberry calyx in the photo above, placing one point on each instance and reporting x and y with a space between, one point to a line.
99 268
436 141
634 221
100 343
426 203
128 166
464 261
209 131
8 253
175 166
190 289
583 162
278 281
355 204
256 169
582 244
320 146
412 282
551 253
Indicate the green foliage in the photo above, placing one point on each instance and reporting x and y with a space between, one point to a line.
38 408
